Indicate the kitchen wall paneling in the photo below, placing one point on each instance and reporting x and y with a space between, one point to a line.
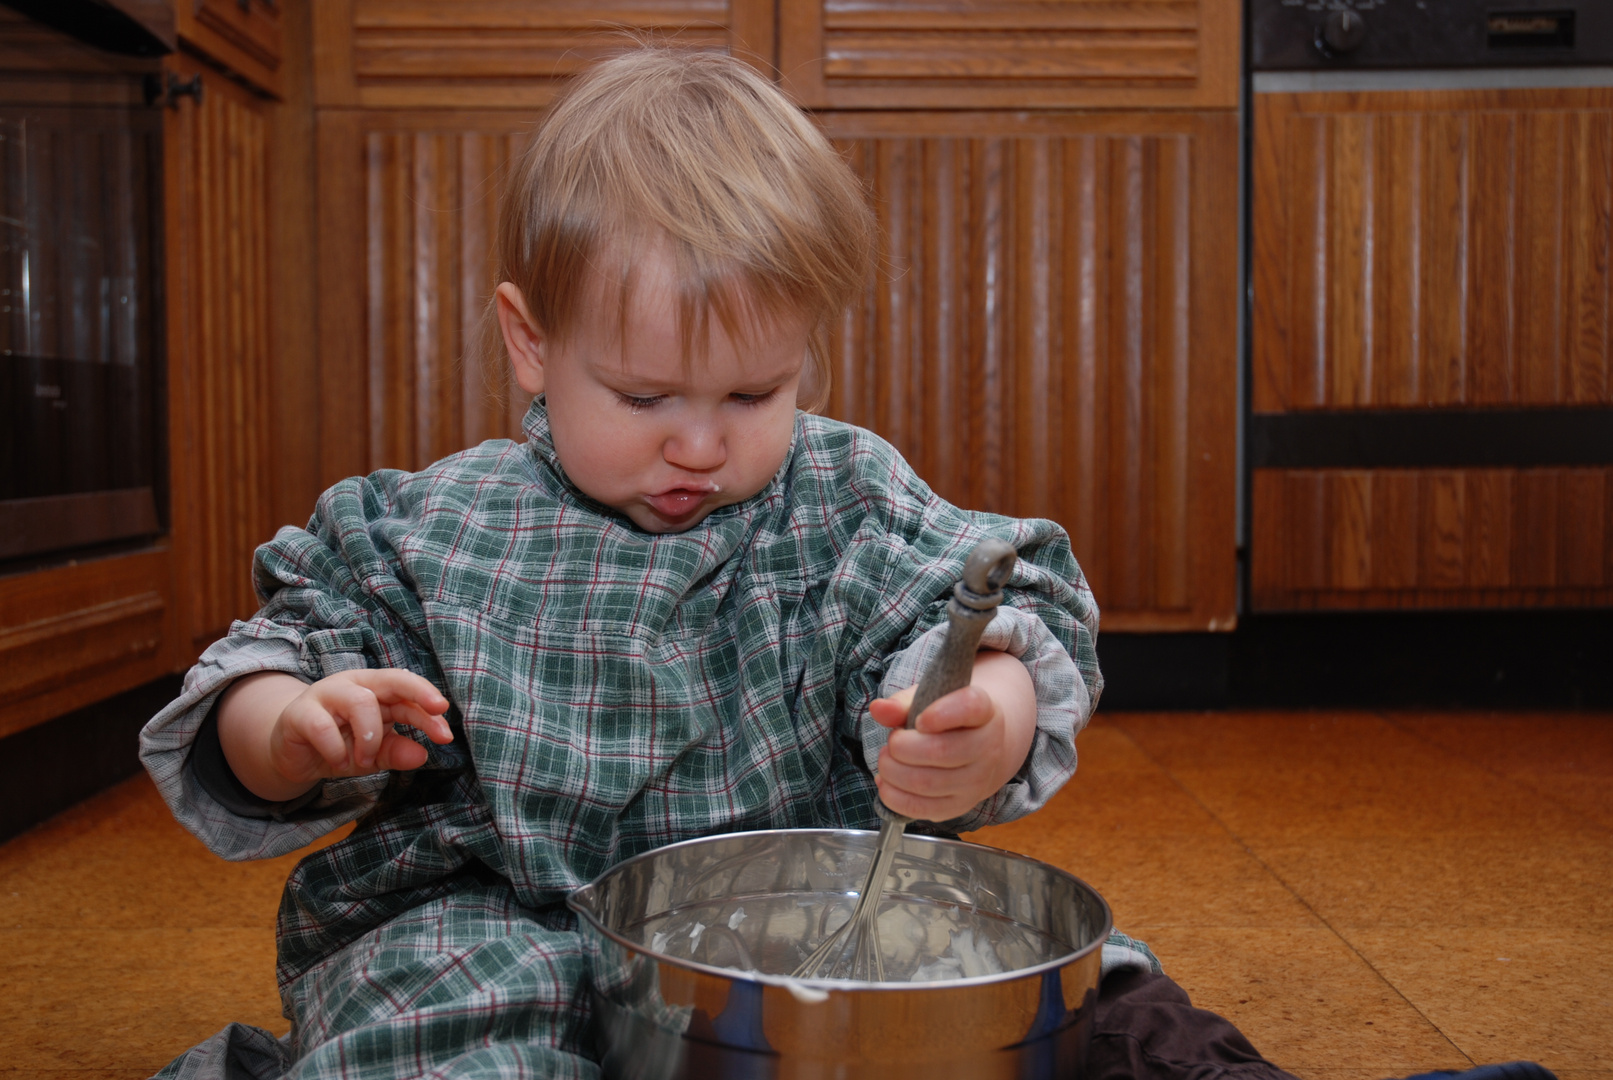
496 54
1429 538
1052 334
975 54
1447 248
408 209
219 350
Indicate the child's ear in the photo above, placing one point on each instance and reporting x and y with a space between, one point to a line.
523 338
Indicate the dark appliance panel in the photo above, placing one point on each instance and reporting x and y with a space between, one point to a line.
1290 35
80 297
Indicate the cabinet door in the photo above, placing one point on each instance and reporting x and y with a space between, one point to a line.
216 152
1052 334
427 54
408 208
1423 257
1010 54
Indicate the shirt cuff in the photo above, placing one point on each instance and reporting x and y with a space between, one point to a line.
1063 706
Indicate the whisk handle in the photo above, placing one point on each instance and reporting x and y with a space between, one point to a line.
973 605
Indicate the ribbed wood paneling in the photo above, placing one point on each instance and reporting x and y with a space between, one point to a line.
1447 248
1010 53
1051 335
429 54
1341 538
408 215
218 348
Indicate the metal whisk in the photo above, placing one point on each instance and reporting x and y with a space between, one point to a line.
853 951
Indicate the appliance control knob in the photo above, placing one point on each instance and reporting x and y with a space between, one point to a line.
1341 32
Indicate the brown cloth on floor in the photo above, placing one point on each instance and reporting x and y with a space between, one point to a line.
1145 1028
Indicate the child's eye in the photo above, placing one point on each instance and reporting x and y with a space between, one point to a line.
753 399
634 401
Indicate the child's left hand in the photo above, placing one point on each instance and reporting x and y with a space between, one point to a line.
963 747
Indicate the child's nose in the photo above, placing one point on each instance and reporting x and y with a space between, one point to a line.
698 447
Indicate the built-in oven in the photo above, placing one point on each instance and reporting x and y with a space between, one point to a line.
1430 359
81 299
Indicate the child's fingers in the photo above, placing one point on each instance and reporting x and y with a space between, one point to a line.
970 707
315 727
356 707
400 752
393 686
435 726
943 750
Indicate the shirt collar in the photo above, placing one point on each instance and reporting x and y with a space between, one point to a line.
536 426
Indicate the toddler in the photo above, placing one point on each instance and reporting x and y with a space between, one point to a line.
681 607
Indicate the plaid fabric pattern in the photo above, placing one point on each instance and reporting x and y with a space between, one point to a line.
613 691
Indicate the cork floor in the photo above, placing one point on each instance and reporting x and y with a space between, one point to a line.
1366 895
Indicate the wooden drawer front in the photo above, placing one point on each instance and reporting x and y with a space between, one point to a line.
1010 53
432 54
1444 248
408 211
244 35
1358 538
74 634
1051 335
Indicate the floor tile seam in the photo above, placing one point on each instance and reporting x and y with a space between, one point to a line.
1546 793
1238 839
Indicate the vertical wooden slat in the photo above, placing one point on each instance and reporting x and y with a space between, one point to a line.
1540 286
1444 297
1589 270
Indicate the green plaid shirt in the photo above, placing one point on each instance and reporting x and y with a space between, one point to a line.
613 691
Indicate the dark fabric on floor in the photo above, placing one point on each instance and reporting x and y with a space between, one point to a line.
1147 1029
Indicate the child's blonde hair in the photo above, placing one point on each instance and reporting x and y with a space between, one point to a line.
695 150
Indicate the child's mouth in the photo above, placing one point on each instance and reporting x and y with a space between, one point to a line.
676 504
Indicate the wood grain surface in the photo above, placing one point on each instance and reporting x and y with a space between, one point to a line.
1051 334
408 206
219 349
1444 248
1355 538
493 53
975 54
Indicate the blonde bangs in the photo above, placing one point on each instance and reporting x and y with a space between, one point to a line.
695 151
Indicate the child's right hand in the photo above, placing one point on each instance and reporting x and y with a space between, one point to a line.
342 725
281 735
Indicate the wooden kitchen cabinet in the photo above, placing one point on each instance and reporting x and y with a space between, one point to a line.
221 396
1435 248
425 54
1010 54
1053 329
1432 251
1052 334
78 632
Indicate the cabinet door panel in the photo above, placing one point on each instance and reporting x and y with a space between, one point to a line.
216 154
975 54
1360 538
408 208
1051 335
1443 248
492 53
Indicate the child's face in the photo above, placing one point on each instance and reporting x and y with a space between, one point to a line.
637 427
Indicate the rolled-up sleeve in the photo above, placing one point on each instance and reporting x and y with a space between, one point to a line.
253 646
334 600
1063 706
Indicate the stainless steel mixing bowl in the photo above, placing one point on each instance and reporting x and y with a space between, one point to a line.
658 1016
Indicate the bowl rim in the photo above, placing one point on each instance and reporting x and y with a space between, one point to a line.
844 985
